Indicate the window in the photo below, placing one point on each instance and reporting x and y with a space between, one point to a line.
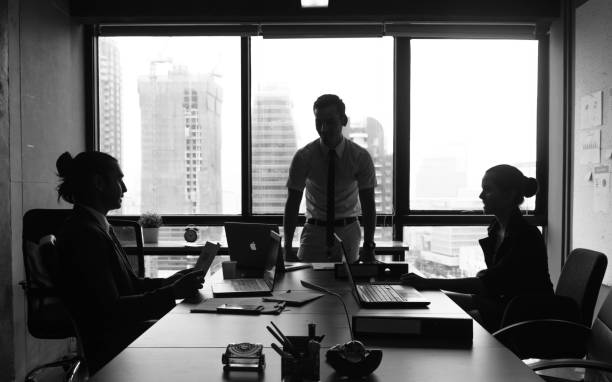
177 98
472 106
179 112
288 76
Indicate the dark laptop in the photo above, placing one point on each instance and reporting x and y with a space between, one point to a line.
381 295
248 245
256 279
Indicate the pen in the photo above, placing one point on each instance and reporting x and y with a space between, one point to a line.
280 351
275 335
312 331
286 342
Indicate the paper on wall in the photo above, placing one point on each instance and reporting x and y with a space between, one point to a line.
591 110
601 188
590 143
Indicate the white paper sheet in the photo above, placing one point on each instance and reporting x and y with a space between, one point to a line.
601 188
589 146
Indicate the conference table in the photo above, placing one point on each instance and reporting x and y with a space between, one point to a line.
185 346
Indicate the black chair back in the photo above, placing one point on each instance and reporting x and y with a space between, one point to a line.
47 317
600 342
580 280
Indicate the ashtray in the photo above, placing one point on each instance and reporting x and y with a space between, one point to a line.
244 357
352 359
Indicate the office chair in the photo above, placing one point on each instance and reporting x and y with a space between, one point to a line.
130 232
598 354
47 317
533 326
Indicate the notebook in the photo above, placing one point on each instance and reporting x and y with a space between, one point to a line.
260 285
382 295
294 298
207 255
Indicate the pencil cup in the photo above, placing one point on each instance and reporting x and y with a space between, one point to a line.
229 269
305 365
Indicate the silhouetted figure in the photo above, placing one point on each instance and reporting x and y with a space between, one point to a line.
514 252
109 302
337 174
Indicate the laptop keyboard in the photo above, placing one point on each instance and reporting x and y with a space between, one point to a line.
245 285
378 293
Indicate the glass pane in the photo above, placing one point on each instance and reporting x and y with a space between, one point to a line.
288 76
473 105
445 252
169 111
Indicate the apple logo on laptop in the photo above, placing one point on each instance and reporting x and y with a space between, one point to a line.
252 246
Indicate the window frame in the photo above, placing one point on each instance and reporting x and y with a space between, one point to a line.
403 34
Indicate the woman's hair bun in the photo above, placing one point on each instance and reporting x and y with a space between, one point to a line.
64 164
530 187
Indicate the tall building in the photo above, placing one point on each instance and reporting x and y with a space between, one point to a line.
181 140
109 87
369 134
273 146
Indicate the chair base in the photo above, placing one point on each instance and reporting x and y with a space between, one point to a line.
72 365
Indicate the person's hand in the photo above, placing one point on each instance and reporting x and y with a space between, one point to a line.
289 255
367 255
188 284
177 276
414 280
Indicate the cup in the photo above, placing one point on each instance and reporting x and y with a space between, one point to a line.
229 269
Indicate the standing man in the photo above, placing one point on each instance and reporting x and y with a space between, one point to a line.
338 174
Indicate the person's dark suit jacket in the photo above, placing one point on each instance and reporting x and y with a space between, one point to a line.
110 304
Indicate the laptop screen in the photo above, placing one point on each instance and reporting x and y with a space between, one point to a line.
345 262
269 272
249 243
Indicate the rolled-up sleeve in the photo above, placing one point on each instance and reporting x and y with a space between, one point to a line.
366 175
298 171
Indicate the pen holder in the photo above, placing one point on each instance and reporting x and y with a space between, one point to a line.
306 365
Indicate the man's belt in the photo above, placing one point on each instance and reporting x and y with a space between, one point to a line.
337 222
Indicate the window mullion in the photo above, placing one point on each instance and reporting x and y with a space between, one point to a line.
245 79
401 141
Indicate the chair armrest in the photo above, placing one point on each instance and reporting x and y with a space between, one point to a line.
545 338
571 362
38 291
42 292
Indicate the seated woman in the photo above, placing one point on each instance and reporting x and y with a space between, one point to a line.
514 252
109 302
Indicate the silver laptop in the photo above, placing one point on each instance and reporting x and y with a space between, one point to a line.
262 284
381 295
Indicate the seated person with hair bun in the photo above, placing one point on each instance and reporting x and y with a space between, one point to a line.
109 302
514 252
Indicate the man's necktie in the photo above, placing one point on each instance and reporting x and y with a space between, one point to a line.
118 245
331 193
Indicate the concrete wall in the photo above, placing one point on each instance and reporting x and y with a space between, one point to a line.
592 228
45 116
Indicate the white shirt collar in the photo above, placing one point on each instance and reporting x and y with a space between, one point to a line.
101 219
339 149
